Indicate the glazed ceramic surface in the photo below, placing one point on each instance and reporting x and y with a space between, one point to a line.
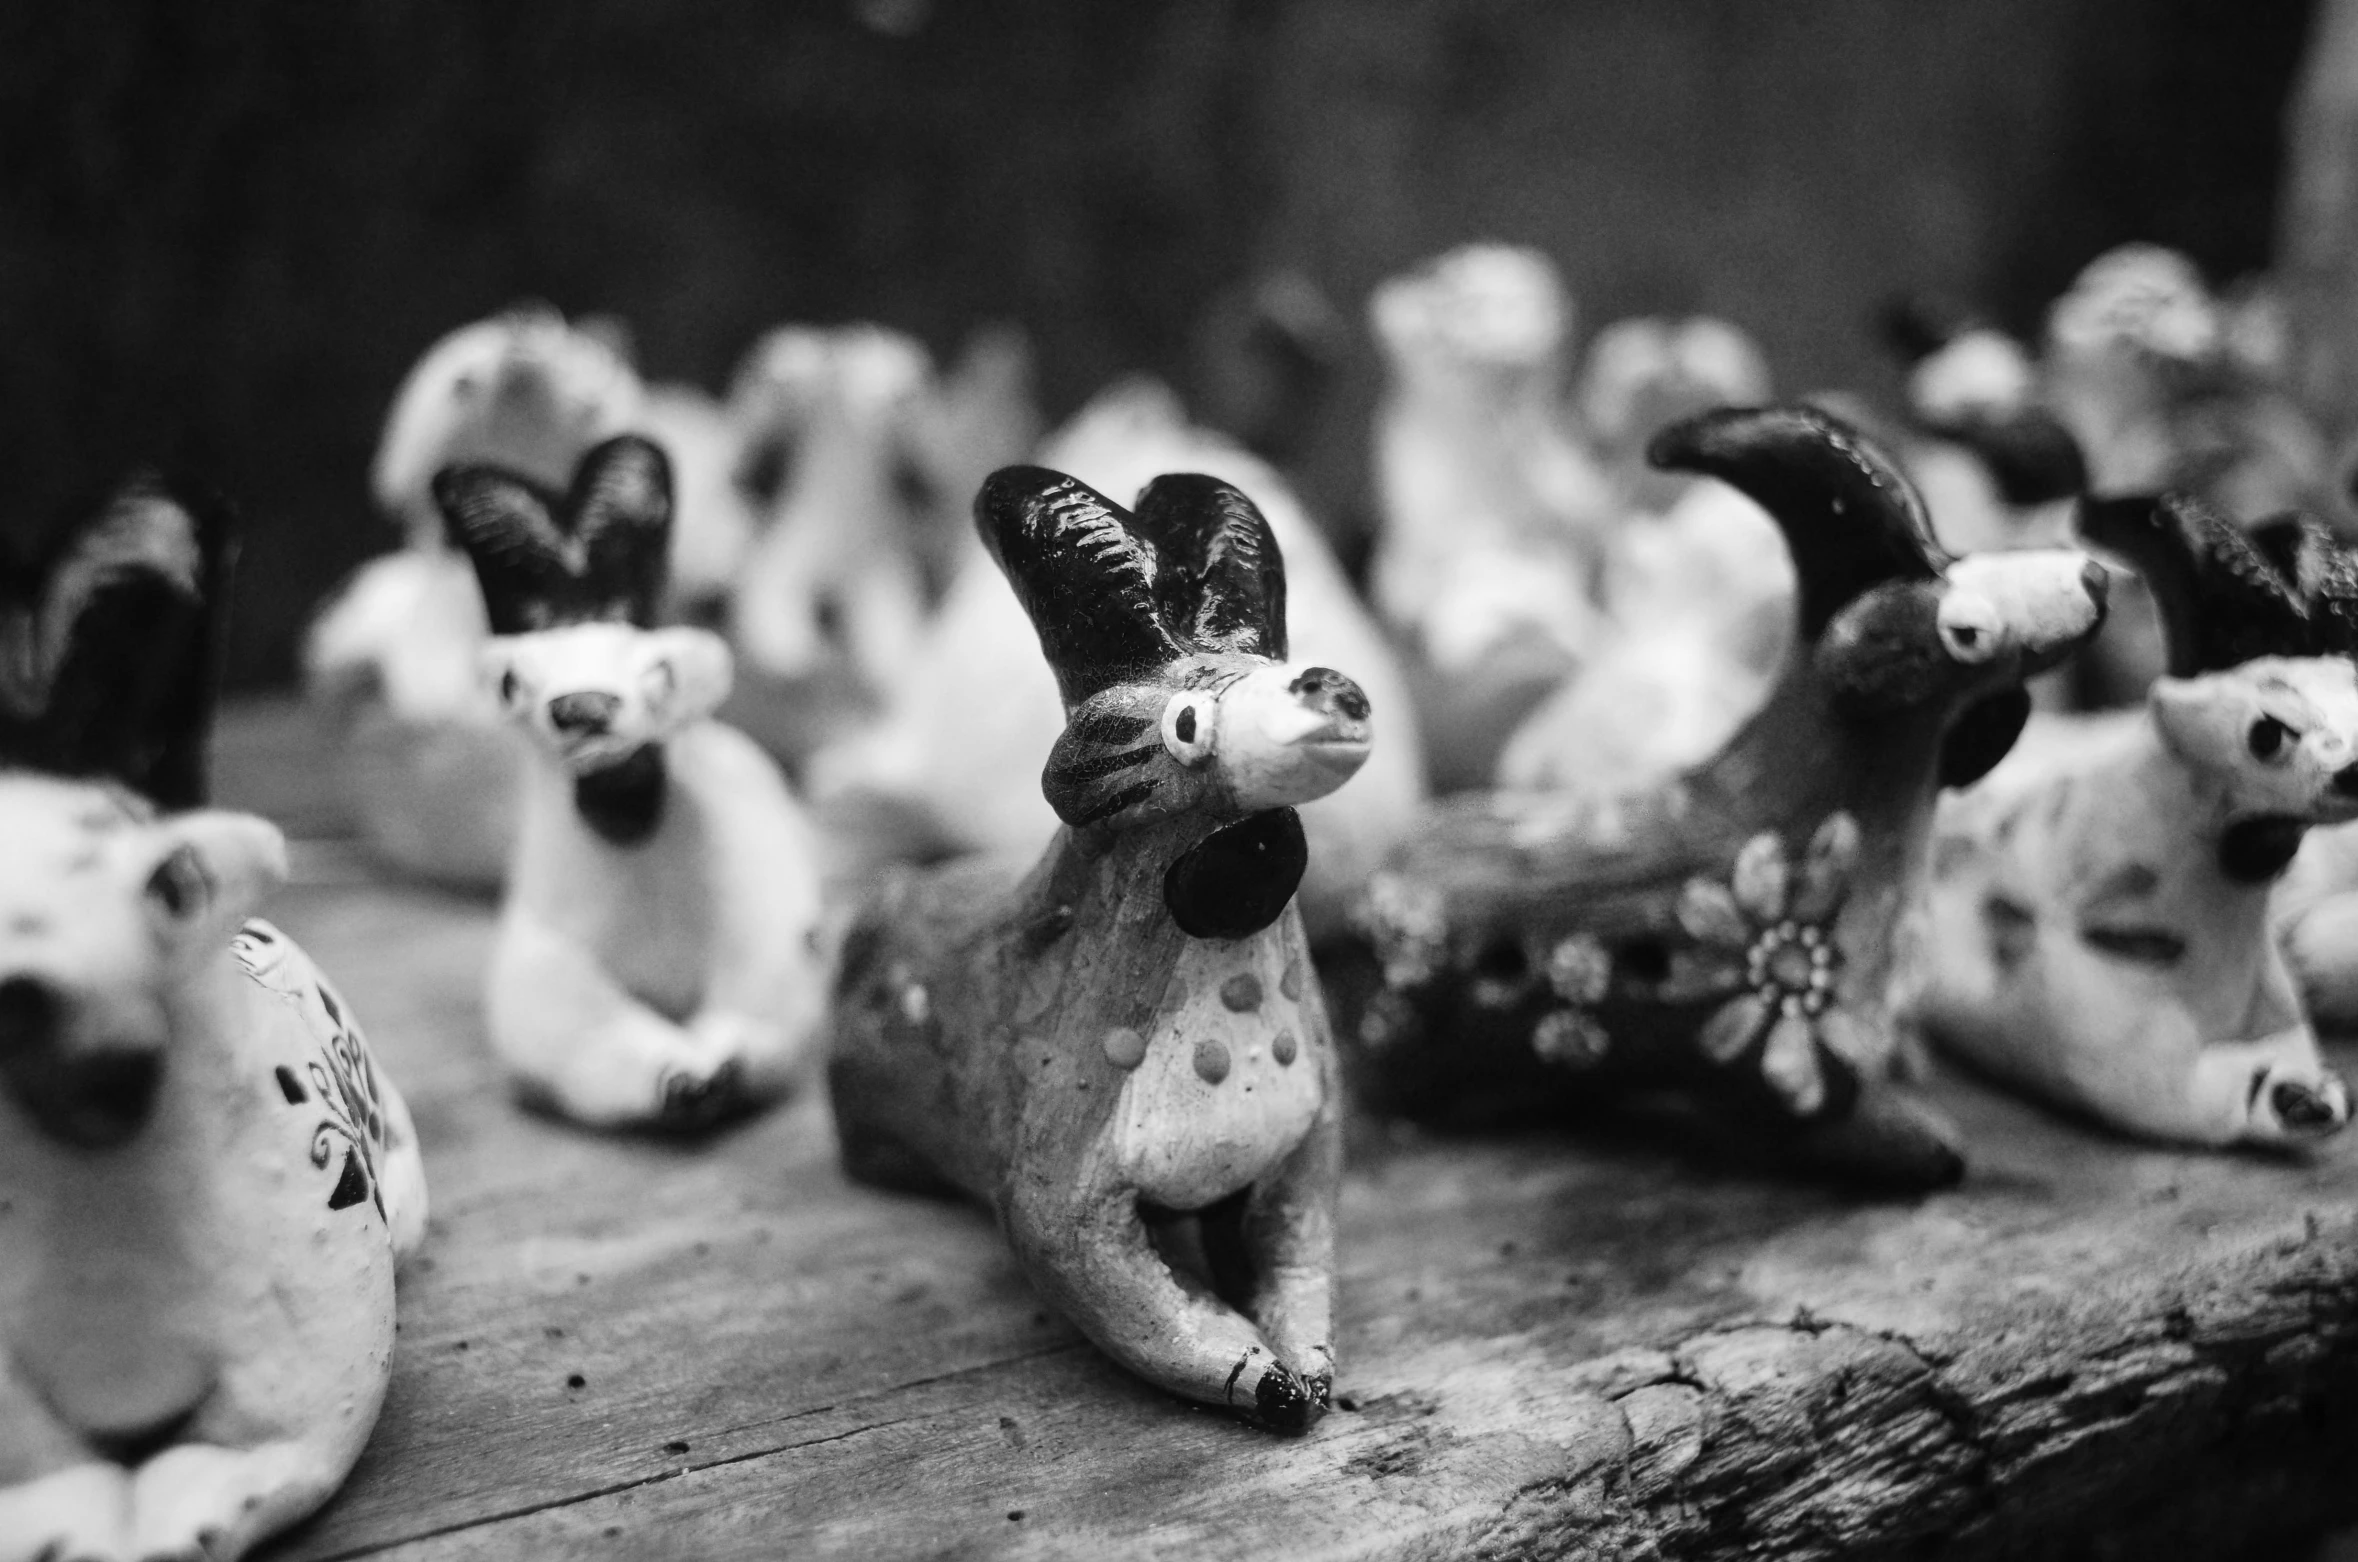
1123 1052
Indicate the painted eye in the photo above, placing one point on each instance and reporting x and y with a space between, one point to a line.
179 886
1187 728
1969 629
2268 738
661 682
510 686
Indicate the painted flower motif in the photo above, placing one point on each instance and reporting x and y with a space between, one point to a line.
1409 926
1570 1038
1767 938
1579 971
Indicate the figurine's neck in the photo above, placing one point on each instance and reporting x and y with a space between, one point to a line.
1804 746
2249 851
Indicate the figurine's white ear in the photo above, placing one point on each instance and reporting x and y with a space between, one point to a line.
215 870
2181 712
702 672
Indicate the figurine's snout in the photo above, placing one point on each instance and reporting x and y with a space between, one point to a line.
1293 736
90 1098
586 715
2096 580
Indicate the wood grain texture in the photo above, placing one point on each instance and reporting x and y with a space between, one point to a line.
1550 1346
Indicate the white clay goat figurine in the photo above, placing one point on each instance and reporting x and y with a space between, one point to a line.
657 960
2096 928
1130 1037
204 1180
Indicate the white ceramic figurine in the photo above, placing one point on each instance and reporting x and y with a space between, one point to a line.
205 1182
658 956
2095 931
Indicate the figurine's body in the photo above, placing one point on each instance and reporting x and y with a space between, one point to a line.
1696 590
713 526
392 656
658 958
1494 518
1730 928
1131 1034
204 1180
959 739
2095 928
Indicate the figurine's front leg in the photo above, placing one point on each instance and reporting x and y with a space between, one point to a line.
1090 1253
80 1512
1288 1227
567 1029
2273 1091
197 1500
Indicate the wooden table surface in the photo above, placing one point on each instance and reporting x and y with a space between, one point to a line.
1548 1345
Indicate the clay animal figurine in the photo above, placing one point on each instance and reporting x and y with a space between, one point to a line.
1696 591
657 960
2095 930
205 1182
713 527
424 762
1493 516
956 743
1730 929
1126 1048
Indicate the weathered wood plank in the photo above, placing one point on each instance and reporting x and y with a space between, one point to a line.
1549 1346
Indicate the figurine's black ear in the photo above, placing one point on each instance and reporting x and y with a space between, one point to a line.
1983 733
1219 579
620 508
1914 326
507 525
108 662
1085 580
2305 551
2220 600
1850 520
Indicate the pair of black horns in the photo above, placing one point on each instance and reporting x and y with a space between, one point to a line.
1850 520
1193 569
598 552
2225 594
111 640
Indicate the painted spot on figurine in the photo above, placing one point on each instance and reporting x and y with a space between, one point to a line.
1211 1060
1241 994
1124 1047
1283 1049
1290 984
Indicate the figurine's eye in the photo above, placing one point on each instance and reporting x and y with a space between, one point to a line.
510 687
2268 738
1969 628
1187 728
180 885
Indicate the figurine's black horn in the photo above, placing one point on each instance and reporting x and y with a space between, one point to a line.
1086 581
1914 326
2221 602
1219 579
2305 551
506 523
109 657
1850 520
620 506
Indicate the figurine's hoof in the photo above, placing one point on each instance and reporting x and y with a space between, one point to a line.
2309 1113
691 1101
1286 1402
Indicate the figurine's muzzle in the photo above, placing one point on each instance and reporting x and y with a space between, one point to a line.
89 1094
1291 736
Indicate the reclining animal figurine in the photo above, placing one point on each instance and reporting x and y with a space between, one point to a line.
658 957
1729 929
205 1182
1126 1048
2095 931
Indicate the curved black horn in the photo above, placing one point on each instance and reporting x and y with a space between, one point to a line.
2221 602
2032 457
2306 552
507 525
1219 579
1914 326
109 652
1087 583
620 509
1850 520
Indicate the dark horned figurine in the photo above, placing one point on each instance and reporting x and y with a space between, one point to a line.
1129 1038
1731 929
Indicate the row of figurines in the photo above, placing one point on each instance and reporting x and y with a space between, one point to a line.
1135 1023
1543 609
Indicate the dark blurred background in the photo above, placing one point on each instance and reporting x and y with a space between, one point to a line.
227 228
